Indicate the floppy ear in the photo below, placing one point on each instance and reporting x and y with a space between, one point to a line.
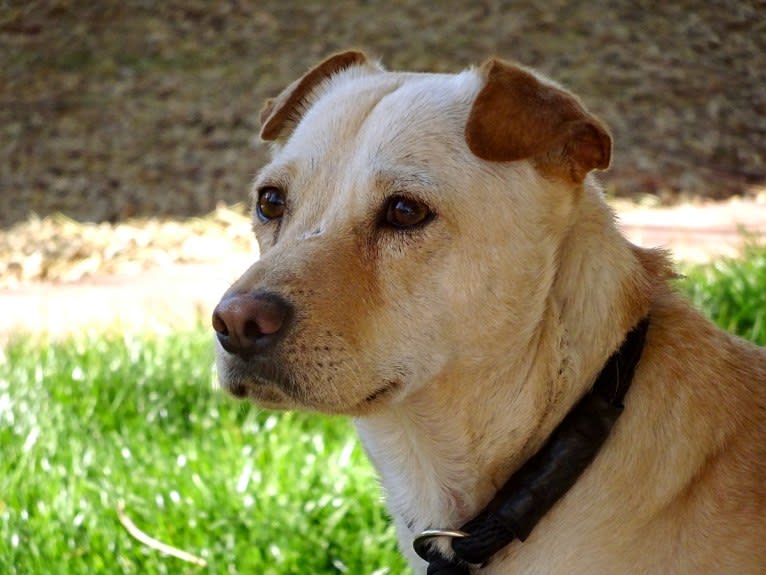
278 112
517 116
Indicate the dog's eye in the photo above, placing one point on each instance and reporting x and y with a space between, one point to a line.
271 204
403 213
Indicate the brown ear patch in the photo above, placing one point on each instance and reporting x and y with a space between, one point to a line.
277 111
517 116
266 110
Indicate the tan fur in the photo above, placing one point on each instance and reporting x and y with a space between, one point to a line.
460 345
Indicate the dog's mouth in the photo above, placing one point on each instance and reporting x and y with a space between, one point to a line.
264 393
269 396
384 392
260 381
237 389
259 390
277 391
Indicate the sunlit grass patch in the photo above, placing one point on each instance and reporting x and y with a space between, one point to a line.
732 292
88 422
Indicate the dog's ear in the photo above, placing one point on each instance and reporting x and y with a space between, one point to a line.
285 108
517 116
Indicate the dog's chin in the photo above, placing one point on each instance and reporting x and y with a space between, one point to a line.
257 382
263 394
278 394
271 396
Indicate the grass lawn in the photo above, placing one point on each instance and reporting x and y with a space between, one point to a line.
732 292
105 418
88 422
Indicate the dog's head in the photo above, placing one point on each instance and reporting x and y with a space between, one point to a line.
408 226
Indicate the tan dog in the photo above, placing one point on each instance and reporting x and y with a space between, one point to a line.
437 262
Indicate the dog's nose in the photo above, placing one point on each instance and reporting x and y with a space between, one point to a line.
247 324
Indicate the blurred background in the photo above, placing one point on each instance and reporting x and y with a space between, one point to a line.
116 109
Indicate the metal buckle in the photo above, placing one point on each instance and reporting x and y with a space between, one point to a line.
421 543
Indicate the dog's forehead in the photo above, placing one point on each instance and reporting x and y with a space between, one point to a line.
383 113
364 128
425 116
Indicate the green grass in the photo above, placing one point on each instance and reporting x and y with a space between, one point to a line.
732 292
88 422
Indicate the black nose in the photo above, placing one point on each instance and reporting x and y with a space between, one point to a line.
248 324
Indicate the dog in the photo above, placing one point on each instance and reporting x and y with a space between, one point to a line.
438 262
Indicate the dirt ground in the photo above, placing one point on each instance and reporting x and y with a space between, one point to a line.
172 294
122 108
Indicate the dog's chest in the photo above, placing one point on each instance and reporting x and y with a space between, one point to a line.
430 480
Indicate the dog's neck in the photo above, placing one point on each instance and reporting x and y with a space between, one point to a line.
443 451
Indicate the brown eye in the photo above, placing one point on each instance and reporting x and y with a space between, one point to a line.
271 204
403 213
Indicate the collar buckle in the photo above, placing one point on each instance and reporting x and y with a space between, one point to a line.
422 542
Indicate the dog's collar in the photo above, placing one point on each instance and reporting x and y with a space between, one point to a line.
546 476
